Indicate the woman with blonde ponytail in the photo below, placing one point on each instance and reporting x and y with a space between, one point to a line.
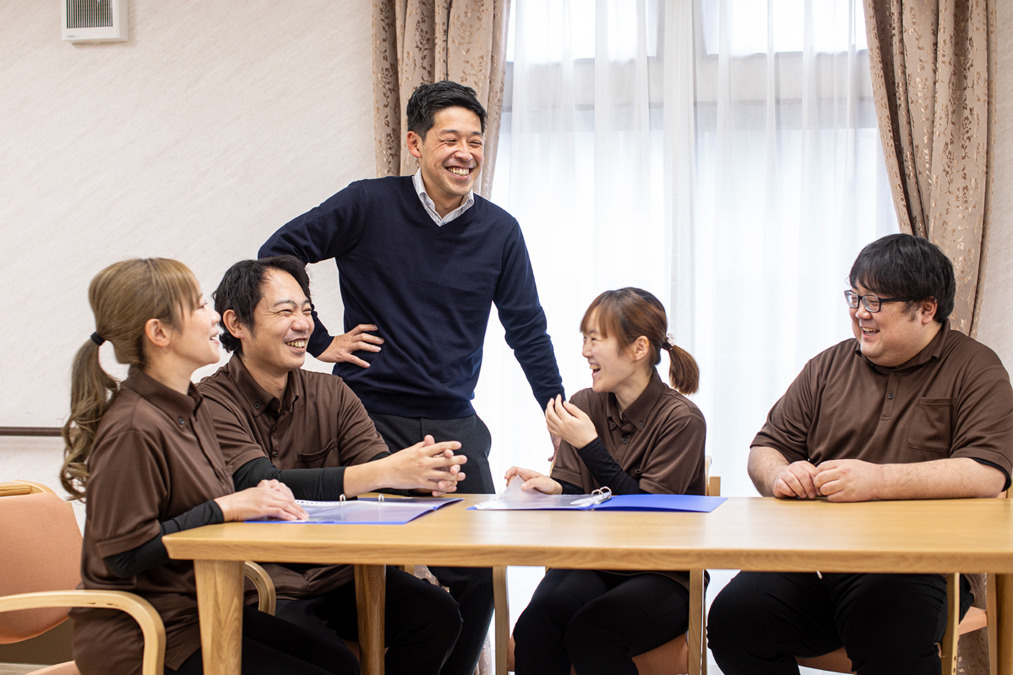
143 455
633 434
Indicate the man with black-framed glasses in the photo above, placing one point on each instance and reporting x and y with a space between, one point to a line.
909 409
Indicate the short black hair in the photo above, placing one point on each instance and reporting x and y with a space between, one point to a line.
242 288
906 266
429 99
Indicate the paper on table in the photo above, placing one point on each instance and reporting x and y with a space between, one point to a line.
514 498
368 510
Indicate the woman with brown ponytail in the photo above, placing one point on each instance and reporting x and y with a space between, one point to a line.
631 433
143 454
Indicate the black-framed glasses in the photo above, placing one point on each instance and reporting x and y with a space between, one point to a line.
873 303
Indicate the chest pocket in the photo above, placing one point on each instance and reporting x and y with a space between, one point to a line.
319 458
932 425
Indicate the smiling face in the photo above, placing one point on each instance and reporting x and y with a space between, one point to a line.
282 323
450 156
195 341
896 333
612 369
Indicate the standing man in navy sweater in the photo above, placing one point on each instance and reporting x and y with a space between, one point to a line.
421 261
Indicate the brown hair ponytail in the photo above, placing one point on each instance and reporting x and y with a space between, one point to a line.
683 372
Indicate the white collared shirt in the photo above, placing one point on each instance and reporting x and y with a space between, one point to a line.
427 202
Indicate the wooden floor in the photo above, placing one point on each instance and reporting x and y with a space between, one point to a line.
16 669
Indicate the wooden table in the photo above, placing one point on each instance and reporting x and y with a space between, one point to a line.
966 535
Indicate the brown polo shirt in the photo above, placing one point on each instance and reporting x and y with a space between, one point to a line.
953 399
318 423
155 457
658 440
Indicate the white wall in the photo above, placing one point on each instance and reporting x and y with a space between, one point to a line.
215 124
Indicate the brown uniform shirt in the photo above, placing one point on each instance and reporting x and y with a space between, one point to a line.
953 399
319 423
658 440
155 457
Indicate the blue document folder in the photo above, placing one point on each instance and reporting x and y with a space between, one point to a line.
368 510
639 502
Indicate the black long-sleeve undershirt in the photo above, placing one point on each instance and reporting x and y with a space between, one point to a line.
607 471
320 484
152 553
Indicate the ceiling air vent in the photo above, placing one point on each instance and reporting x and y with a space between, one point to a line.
94 20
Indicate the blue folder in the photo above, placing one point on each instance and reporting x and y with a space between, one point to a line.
368 510
638 502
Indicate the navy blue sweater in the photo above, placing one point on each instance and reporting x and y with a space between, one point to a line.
429 289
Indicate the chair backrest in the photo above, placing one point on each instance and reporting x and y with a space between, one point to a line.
41 551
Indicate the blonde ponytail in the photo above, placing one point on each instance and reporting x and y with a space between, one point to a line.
90 389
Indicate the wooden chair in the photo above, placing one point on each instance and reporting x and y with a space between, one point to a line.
41 569
672 658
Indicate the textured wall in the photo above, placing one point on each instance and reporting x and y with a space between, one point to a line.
216 123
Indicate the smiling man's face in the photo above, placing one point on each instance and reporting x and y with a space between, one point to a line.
450 156
896 333
282 324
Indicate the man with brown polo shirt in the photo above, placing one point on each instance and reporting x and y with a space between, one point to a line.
909 409
275 420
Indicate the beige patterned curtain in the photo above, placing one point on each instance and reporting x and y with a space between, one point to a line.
417 41
933 80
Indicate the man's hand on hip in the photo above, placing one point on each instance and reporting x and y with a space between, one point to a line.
343 347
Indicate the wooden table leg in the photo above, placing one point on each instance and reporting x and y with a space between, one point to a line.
370 602
695 638
502 625
1003 617
220 605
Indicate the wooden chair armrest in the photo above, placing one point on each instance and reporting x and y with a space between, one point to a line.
22 487
264 584
975 619
137 607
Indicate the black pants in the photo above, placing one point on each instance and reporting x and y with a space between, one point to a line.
421 622
470 587
597 621
272 646
474 436
888 623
